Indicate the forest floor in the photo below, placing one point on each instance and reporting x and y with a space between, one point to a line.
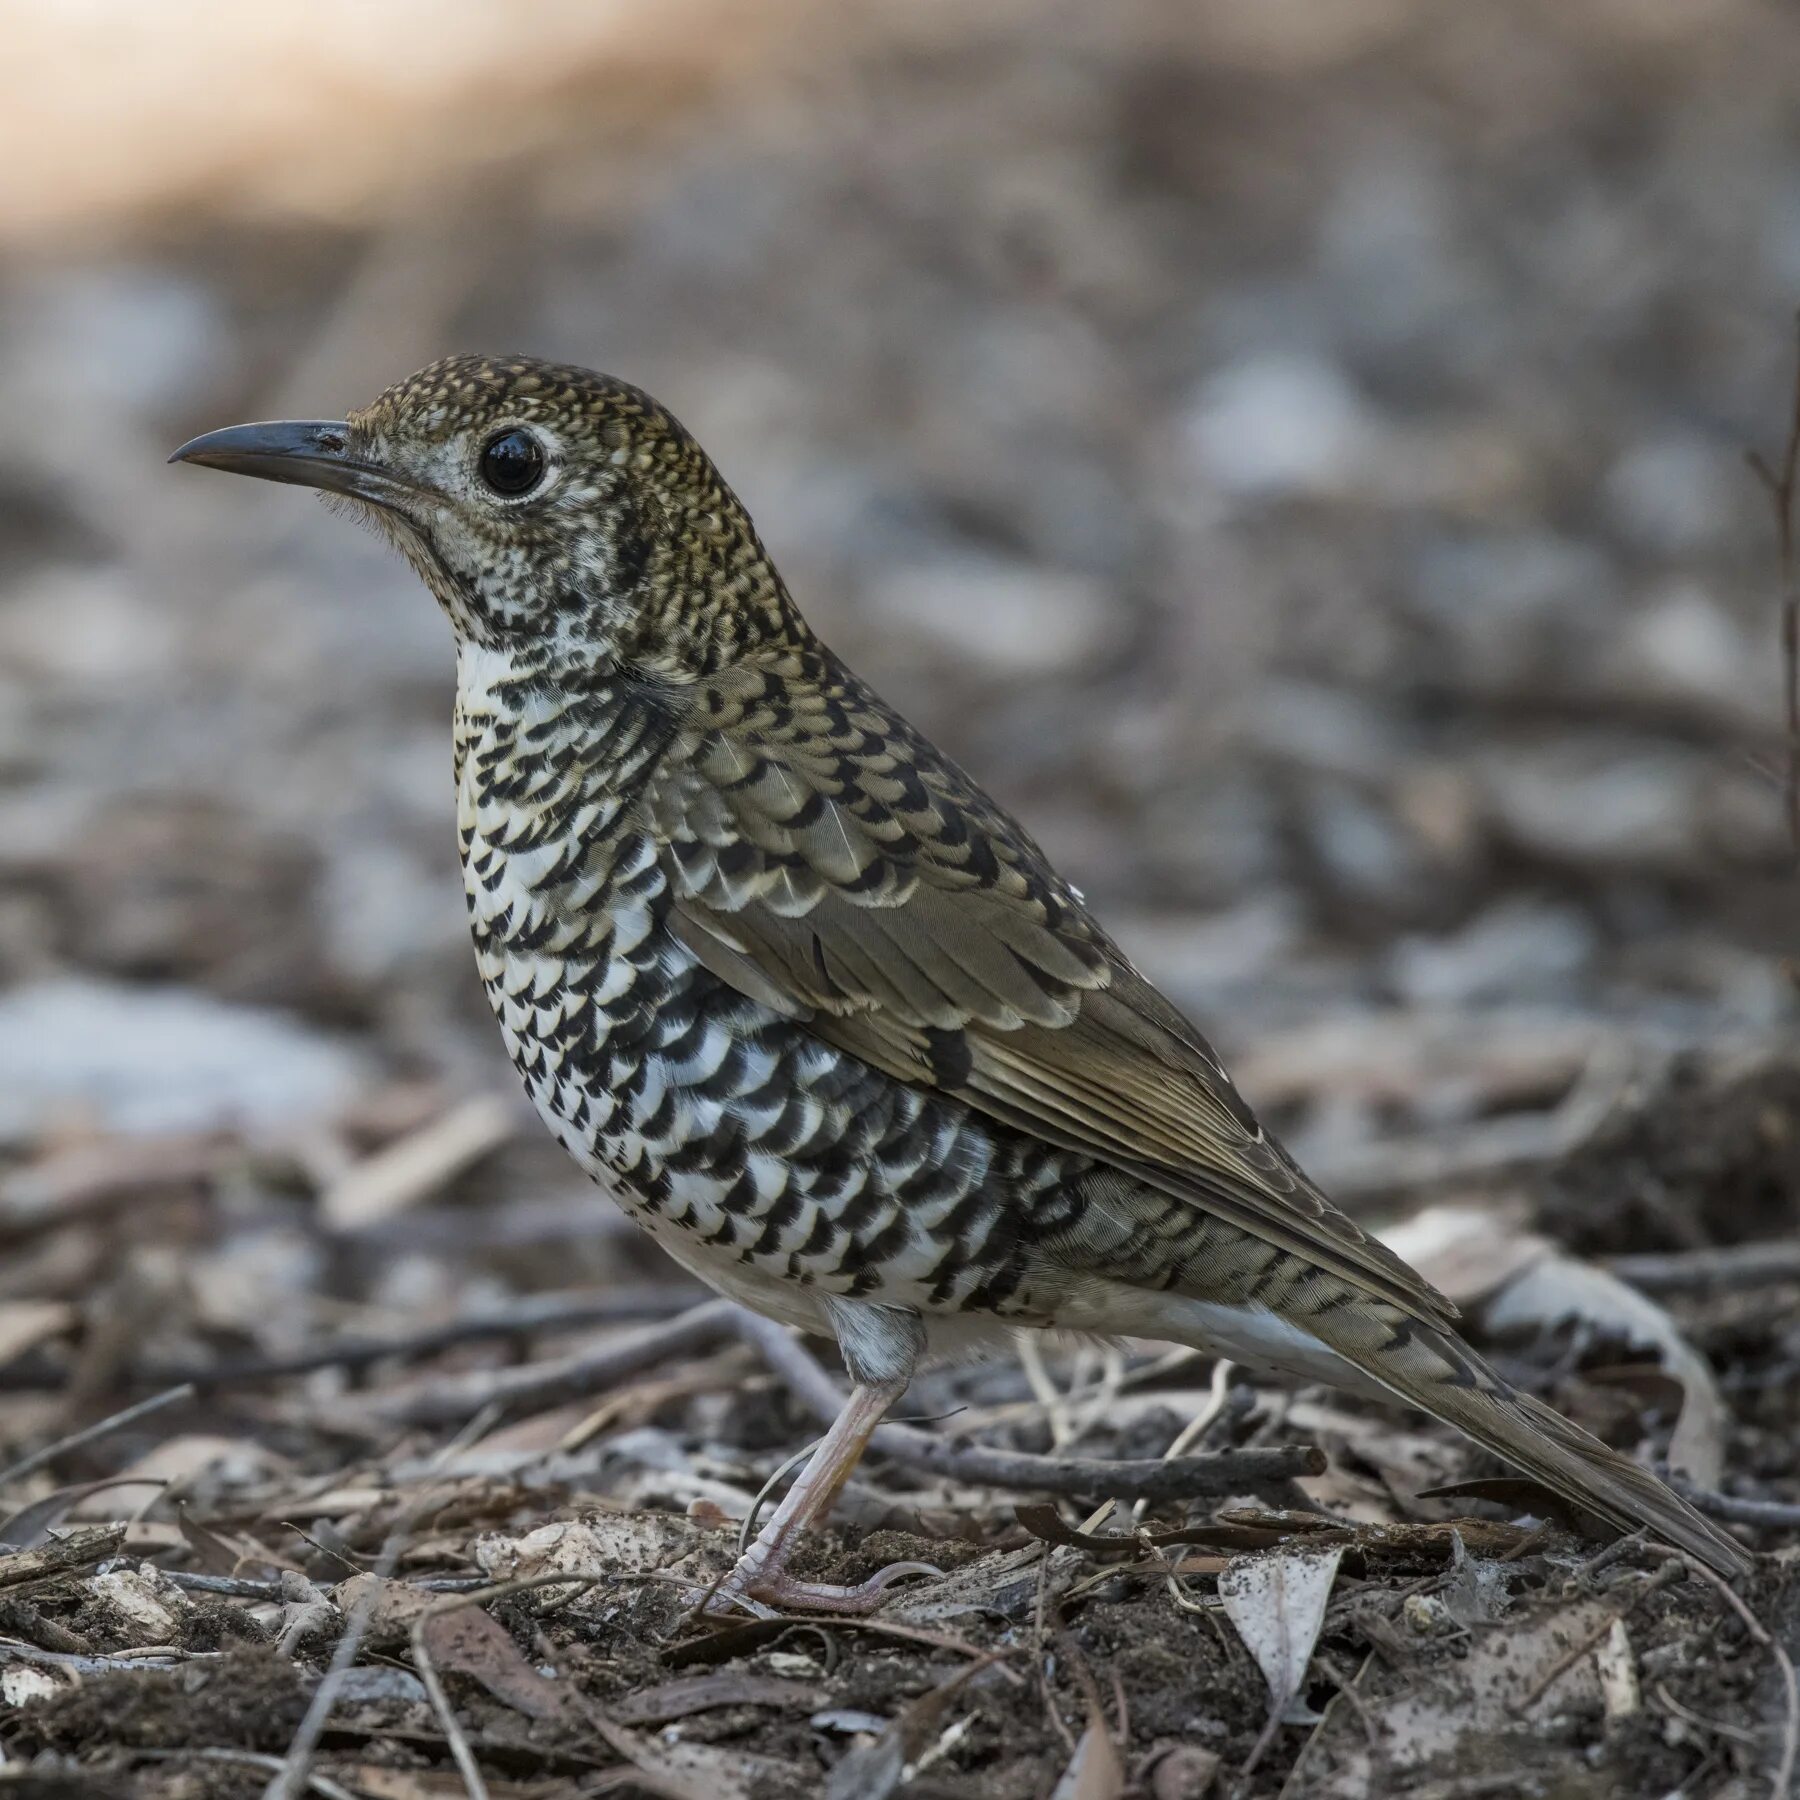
486 1541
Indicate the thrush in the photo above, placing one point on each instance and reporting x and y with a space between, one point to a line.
815 1008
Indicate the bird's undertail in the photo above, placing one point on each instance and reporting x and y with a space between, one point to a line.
1436 1371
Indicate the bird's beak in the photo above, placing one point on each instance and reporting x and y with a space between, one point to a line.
308 452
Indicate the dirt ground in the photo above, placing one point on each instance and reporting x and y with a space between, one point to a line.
1294 455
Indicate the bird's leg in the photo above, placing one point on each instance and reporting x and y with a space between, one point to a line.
881 1347
761 1572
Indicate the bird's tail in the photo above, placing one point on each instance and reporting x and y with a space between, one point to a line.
1433 1369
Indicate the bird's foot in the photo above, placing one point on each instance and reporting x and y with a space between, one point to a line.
766 1592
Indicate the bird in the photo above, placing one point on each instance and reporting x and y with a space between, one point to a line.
818 1011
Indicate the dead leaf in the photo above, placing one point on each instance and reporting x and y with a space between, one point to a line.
31 1525
1446 1713
1093 1772
24 1324
416 1166
601 1544
466 1640
1278 1605
1519 1279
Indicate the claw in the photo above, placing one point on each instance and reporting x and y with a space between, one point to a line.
763 1593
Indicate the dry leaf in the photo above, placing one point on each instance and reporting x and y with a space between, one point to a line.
466 1640
178 1462
601 1544
24 1324
1458 1710
416 1166
1093 1772
1520 1279
1277 1603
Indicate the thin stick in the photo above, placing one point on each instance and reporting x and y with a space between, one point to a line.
1722 1266
104 1428
981 1465
454 1735
543 1384
1779 1515
528 1314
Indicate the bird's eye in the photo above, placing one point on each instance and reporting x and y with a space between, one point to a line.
511 462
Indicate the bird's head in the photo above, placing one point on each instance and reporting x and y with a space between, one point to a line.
554 512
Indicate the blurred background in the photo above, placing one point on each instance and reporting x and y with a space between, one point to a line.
1292 450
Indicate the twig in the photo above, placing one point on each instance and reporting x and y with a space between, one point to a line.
527 1314
979 1464
1779 1515
454 1735
1781 1780
104 1428
1728 1265
551 1383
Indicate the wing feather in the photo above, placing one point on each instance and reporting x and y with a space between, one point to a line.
827 861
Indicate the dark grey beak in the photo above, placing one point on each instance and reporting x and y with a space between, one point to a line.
308 452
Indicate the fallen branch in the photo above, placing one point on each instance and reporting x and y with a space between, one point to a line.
1180 1478
1780 1515
554 1382
1720 1266
79 1550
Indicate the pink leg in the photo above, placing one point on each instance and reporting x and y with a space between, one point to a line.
761 1573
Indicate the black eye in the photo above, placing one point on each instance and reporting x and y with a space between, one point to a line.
511 462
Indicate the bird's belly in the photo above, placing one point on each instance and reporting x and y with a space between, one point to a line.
773 1166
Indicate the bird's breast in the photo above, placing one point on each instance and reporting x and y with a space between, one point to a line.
754 1149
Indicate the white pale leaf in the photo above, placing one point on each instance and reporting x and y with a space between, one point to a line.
1278 1605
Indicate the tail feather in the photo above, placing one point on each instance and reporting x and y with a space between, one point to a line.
1436 1371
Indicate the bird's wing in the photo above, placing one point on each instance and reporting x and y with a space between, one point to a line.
830 863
